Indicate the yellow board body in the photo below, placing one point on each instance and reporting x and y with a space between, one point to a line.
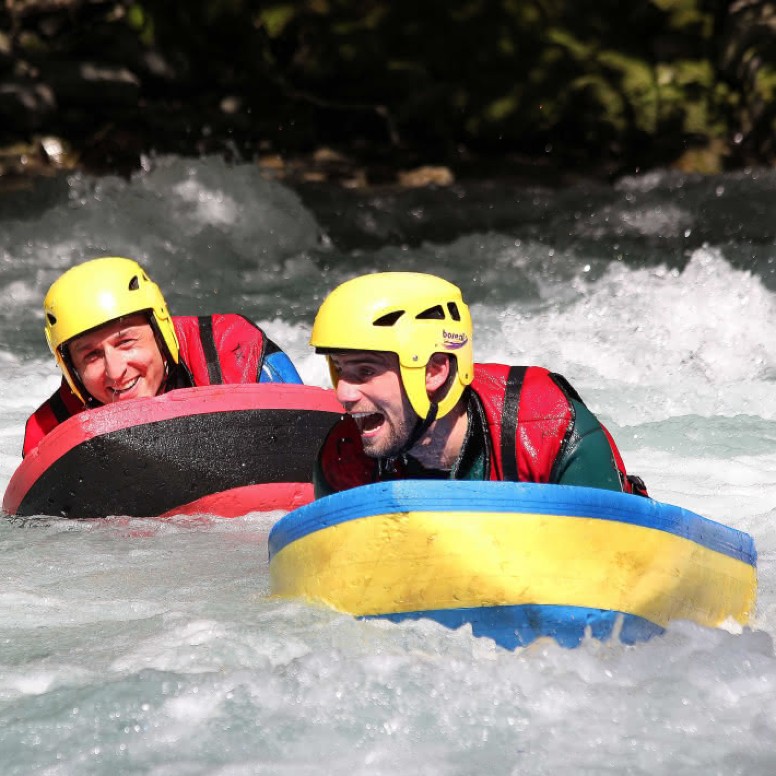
433 561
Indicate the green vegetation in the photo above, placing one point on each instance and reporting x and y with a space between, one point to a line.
585 82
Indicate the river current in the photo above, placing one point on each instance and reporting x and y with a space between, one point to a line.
138 646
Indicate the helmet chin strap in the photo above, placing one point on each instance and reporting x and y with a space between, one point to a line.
165 353
86 398
421 426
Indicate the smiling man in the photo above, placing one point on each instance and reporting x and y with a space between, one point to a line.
120 360
399 346
113 337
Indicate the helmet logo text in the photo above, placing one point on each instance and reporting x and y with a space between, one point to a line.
453 340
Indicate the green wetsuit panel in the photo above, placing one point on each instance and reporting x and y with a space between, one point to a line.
587 458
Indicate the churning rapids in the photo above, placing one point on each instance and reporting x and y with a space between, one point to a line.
152 647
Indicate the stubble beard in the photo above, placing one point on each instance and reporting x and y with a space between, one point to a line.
393 445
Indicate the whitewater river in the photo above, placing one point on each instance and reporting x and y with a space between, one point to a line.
152 647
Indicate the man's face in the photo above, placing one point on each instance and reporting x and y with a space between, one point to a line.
120 360
369 387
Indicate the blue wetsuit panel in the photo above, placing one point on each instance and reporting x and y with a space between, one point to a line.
277 368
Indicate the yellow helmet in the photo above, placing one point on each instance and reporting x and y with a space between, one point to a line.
411 314
97 292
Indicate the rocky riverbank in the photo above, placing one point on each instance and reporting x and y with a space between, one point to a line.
315 93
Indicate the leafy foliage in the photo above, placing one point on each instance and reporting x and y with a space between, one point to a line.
639 82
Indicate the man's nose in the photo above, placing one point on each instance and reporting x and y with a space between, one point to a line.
347 392
115 364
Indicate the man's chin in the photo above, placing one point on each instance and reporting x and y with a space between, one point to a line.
114 399
137 392
376 448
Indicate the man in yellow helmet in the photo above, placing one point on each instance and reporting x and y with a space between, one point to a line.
399 346
113 338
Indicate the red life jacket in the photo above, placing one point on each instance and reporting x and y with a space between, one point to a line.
529 416
224 348
220 349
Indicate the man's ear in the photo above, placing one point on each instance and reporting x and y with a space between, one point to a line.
437 372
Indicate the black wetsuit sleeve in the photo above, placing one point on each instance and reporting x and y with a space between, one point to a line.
586 458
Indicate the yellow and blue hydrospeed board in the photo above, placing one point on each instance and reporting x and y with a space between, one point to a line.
516 561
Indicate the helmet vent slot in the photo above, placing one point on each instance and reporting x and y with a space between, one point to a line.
452 308
134 284
51 319
435 313
388 319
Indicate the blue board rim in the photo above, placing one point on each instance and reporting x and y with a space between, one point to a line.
451 496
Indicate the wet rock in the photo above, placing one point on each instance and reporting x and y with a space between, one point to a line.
25 104
95 84
55 151
113 151
6 53
426 176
